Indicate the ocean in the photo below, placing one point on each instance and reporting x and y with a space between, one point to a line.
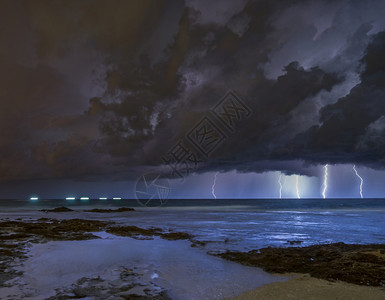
234 224
56 267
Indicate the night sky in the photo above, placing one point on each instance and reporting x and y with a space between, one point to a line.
94 94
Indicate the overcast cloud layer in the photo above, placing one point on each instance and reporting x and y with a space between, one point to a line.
100 90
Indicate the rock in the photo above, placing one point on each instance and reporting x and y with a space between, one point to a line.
133 231
82 292
172 236
295 242
73 229
58 209
358 264
196 243
161 296
101 210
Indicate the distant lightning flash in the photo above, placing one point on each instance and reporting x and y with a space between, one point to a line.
296 186
213 187
362 181
280 186
325 181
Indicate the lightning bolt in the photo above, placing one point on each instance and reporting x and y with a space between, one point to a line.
362 181
280 186
325 184
296 186
213 187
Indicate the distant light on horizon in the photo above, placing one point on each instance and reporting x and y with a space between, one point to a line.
116 198
34 198
103 198
84 198
70 198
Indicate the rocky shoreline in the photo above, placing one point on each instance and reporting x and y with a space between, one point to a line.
16 235
357 264
94 210
120 286
351 263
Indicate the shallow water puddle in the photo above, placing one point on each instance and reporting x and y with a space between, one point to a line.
185 272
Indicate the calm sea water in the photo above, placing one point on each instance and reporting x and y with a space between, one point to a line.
240 224
253 204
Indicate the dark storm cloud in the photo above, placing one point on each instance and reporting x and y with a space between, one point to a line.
54 55
92 88
252 147
154 112
352 128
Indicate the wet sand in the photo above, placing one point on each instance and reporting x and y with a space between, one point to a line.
305 287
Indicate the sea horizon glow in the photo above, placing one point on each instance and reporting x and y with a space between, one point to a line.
341 183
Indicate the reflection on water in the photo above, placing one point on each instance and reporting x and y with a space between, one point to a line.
188 273
233 225
241 223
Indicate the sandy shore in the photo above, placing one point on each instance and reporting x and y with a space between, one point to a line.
305 287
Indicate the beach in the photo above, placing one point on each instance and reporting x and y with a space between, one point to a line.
305 287
110 252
